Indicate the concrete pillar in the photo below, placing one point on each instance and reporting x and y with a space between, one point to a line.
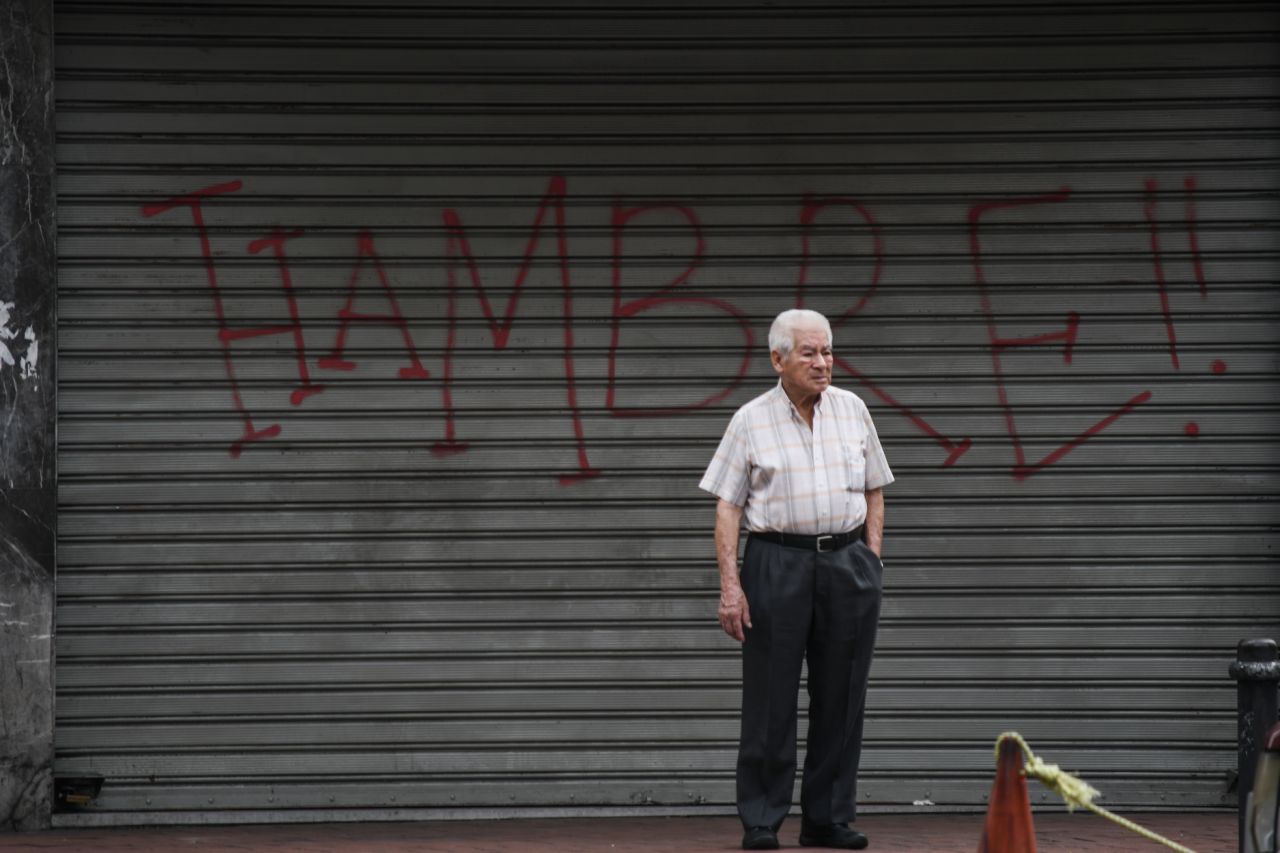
28 498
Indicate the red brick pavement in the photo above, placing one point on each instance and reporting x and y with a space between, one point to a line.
1056 833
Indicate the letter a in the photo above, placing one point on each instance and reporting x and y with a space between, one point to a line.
335 361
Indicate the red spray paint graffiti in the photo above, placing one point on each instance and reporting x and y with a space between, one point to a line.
366 252
1197 266
999 344
1157 265
459 255
808 214
194 203
1193 238
276 244
664 296
500 331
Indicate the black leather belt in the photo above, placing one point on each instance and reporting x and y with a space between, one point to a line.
821 544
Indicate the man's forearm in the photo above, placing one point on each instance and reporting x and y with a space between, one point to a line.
875 520
728 525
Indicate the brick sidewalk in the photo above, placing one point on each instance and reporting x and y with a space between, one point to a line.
1056 833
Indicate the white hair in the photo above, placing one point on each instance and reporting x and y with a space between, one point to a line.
782 334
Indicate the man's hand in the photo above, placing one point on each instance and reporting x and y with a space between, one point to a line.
875 521
735 615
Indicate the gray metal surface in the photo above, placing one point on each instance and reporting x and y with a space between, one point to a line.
343 619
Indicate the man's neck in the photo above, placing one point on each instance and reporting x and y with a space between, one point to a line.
804 403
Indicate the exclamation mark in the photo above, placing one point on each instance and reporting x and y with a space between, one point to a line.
1218 366
1149 210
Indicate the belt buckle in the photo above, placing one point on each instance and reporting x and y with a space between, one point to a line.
829 543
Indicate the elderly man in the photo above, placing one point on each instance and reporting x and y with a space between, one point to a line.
804 464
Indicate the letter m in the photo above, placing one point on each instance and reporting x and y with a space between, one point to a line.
459 249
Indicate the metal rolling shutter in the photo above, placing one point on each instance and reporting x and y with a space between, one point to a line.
1056 223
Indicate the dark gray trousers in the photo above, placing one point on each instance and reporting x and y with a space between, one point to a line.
823 607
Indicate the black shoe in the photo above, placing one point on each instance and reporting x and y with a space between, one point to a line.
760 838
836 835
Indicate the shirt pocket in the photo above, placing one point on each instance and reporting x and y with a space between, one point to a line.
855 465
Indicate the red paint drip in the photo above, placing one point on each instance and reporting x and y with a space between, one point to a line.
1149 211
449 447
578 477
1189 184
1073 329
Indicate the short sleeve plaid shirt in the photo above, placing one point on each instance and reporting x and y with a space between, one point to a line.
792 479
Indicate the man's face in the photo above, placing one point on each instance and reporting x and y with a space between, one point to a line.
807 368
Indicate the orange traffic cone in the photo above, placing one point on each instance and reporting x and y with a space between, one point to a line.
1008 828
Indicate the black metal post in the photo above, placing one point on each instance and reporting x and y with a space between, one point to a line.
1257 673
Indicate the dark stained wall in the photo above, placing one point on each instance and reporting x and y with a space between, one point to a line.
27 489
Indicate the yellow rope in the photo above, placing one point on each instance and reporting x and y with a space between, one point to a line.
1077 792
